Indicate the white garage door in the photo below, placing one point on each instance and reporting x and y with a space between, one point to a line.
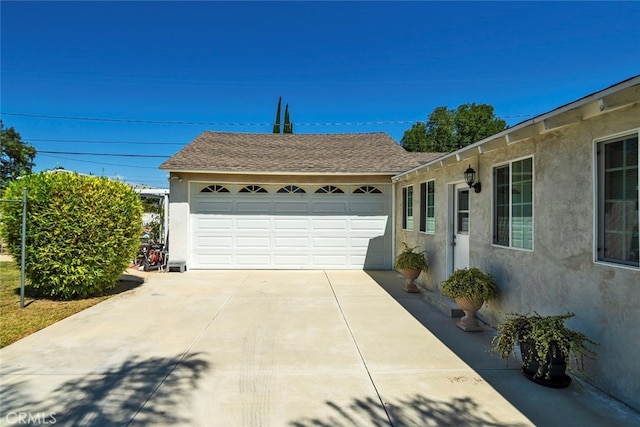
290 227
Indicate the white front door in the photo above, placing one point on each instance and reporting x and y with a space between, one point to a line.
460 226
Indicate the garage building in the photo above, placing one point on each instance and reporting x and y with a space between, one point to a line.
284 201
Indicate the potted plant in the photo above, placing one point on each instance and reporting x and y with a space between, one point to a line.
546 345
411 264
470 288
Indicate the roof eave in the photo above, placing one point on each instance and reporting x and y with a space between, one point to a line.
592 105
272 173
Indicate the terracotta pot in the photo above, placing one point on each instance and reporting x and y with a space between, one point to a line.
411 275
469 322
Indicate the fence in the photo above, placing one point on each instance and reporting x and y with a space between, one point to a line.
22 243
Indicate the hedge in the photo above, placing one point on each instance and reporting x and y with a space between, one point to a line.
82 231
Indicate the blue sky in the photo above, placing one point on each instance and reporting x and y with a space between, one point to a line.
360 66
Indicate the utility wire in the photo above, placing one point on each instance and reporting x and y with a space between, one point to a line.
99 163
75 153
179 122
83 141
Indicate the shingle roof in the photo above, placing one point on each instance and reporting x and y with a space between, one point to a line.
293 153
425 157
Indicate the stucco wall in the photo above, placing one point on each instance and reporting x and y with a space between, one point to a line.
559 274
178 219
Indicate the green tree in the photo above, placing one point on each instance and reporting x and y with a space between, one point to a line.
415 138
276 126
16 157
82 231
474 122
447 129
288 126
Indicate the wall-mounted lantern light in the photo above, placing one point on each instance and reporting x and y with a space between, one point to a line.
470 177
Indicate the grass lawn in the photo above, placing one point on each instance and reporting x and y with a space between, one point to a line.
38 313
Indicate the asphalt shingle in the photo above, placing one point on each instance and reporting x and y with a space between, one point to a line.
295 153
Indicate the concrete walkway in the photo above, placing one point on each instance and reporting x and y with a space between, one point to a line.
277 348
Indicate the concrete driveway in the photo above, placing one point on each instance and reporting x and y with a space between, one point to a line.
276 348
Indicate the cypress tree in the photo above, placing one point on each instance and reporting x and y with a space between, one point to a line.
288 127
276 126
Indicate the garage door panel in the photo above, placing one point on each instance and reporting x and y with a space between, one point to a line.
214 207
291 261
283 243
253 242
372 225
329 224
333 208
286 224
253 223
291 207
330 242
360 242
244 207
224 242
367 208
213 223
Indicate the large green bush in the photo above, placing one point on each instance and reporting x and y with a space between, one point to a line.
82 231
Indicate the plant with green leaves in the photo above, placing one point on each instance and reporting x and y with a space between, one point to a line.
16 156
408 259
470 283
82 231
549 335
450 129
288 127
276 126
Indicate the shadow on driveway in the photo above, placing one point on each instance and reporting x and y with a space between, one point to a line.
415 411
580 404
149 389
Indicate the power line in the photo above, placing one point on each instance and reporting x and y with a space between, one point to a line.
99 163
75 153
83 141
180 122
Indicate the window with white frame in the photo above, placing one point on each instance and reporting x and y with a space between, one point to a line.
407 207
617 201
513 204
427 206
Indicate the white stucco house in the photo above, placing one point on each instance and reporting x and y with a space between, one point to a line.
555 219
555 222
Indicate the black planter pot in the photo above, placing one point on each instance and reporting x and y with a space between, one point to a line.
554 366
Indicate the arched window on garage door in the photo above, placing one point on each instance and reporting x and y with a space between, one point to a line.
367 189
291 189
253 189
215 188
329 189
